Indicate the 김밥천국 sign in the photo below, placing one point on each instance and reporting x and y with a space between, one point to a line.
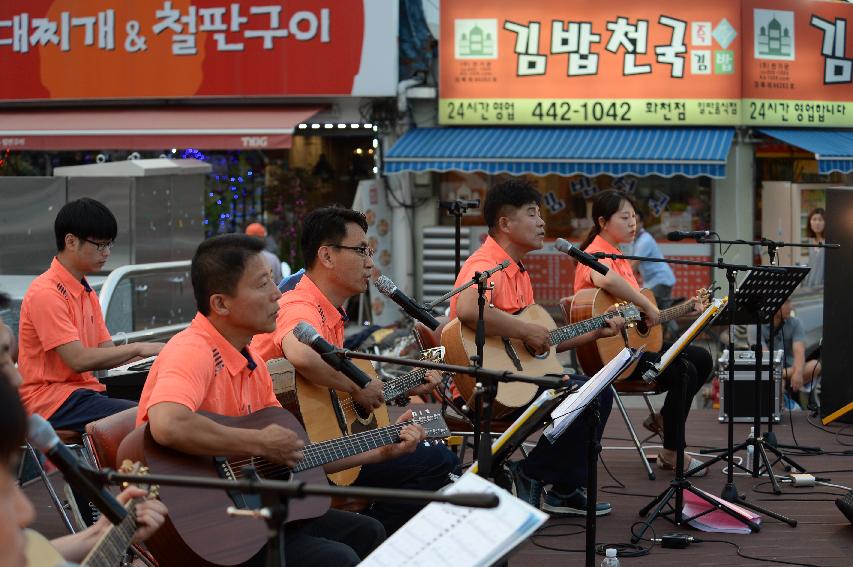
564 62
165 49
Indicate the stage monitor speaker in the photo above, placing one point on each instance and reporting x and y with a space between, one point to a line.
836 354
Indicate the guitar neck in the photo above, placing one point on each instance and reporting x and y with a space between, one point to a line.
319 454
113 545
675 312
580 328
402 384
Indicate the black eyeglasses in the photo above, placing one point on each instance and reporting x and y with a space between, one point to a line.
100 246
363 251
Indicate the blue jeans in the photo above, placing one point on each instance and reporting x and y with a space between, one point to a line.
427 468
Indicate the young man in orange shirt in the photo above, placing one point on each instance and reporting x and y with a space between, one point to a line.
62 334
339 265
211 367
515 226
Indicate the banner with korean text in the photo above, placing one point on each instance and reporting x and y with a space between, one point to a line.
798 63
629 62
570 62
166 49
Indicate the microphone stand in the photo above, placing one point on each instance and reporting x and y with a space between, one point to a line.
483 375
458 208
730 492
275 495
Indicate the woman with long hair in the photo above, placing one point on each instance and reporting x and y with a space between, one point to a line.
816 229
614 223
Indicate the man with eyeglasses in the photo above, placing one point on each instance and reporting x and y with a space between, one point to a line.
339 265
62 334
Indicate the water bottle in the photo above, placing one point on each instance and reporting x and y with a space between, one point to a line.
610 559
750 449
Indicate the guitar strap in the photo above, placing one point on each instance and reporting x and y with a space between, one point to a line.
510 352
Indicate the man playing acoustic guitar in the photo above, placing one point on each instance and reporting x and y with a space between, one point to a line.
339 264
613 213
211 367
515 226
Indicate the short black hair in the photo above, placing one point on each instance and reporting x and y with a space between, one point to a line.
13 423
84 218
327 226
218 265
510 193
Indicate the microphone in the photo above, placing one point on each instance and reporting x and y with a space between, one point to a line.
460 203
677 235
308 335
41 435
564 246
390 290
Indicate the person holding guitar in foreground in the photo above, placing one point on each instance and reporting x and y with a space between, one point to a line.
339 265
614 217
211 367
511 209
17 510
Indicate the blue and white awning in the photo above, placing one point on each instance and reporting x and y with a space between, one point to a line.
833 149
691 152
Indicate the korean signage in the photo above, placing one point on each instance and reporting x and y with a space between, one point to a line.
623 62
116 49
798 63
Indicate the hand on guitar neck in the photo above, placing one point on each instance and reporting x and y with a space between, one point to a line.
371 396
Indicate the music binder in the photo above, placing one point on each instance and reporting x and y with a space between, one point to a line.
443 534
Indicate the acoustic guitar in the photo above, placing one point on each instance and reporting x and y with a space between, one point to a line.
108 550
198 530
329 414
501 353
594 355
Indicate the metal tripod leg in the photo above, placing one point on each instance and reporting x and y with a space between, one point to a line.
633 434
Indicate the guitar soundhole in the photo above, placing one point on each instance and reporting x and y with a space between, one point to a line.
542 356
361 425
642 327
362 413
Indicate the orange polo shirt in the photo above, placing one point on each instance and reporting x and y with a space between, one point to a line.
512 287
583 278
306 303
57 309
201 370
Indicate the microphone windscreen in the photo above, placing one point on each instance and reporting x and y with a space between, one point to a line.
562 245
385 285
675 235
304 332
40 433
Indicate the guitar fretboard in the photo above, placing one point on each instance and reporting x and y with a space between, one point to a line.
675 312
319 454
402 384
114 544
580 328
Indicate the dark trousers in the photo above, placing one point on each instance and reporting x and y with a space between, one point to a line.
85 406
563 463
693 367
427 468
336 538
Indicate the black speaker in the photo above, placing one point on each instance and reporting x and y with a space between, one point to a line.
836 354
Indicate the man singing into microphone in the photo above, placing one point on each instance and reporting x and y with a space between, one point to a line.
338 264
516 228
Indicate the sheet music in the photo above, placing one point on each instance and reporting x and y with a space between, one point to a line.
443 534
565 413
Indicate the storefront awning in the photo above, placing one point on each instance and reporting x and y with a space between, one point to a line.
667 152
151 128
833 149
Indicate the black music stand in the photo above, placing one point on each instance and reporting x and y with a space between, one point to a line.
754 301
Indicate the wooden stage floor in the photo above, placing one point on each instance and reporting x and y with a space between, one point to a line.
823 536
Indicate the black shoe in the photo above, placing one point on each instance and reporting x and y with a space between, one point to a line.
523 487
573 504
